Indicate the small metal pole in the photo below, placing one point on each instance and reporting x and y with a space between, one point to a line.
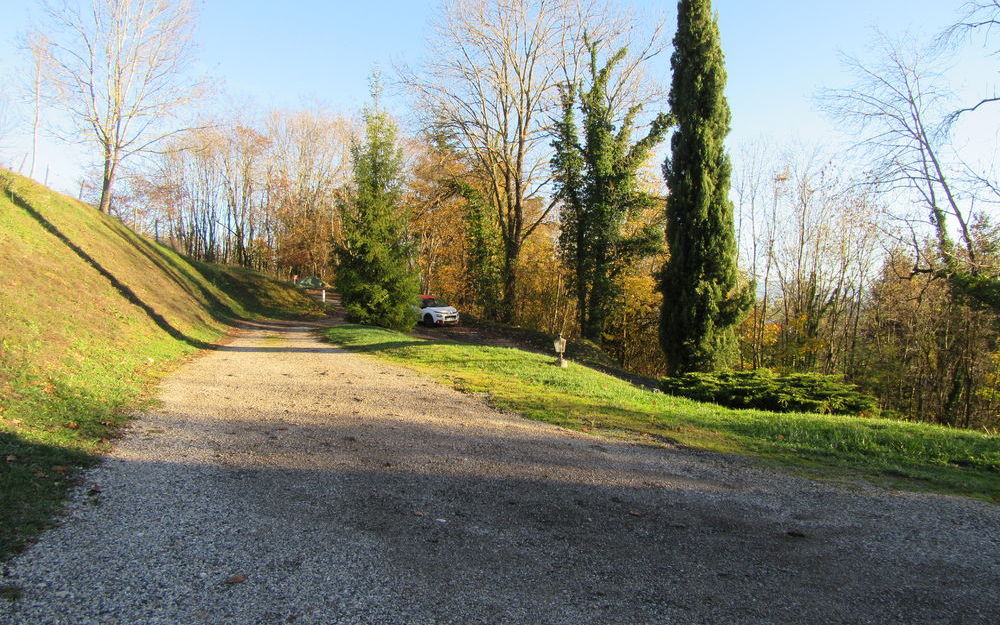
324 296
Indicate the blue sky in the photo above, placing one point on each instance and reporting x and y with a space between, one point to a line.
286 54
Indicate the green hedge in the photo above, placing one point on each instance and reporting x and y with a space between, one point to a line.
765 390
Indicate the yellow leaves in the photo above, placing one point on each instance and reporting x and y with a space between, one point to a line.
990 390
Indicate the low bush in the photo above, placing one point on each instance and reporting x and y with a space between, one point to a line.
765 390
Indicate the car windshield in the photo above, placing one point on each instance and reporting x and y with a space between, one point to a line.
432 302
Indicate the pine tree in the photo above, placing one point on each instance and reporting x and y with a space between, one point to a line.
375 275
596 181
703 296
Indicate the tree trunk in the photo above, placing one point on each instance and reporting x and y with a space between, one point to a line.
507 312
108 180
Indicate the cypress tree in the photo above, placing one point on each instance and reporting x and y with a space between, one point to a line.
375 276
703 297
596 180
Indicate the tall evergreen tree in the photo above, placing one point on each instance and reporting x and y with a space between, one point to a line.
703 297
375 276
596 181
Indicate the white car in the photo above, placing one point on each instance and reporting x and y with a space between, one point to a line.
434 312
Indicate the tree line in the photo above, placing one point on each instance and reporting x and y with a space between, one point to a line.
534 192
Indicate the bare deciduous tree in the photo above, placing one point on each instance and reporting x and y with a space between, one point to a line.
4 116
118 71
979 17
310 164
898 106
35 45
491 86
810 240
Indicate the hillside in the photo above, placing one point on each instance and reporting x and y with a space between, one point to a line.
90 314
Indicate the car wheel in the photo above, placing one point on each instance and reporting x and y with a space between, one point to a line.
428 320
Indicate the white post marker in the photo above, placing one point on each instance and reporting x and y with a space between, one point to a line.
324 296
560 345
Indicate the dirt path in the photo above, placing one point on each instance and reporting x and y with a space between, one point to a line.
285 481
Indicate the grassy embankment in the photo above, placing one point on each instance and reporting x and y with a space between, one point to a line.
90 316
895 453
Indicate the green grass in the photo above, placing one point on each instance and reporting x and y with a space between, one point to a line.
91 316
896 453
266 297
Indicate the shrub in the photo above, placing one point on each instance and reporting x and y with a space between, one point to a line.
765 390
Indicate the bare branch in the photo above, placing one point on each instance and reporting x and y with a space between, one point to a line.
118 71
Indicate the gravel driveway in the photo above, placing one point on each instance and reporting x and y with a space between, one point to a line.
286 481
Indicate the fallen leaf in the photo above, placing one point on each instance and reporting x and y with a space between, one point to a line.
239 578
108 424
72 425
634 512
418 513
60 469
10 458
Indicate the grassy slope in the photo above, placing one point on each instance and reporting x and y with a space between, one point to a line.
908 455
90 315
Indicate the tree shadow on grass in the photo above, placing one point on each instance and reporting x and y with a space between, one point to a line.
30 490
120 286
168 265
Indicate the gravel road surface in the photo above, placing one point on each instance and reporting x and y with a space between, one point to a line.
286 481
